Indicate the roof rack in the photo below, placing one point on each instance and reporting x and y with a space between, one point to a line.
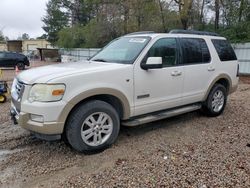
193 32
141 32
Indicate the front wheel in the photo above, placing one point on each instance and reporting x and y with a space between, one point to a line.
216 101
92 127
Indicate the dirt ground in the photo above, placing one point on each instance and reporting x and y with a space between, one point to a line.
185 151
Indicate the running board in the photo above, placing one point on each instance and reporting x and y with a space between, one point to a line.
161 115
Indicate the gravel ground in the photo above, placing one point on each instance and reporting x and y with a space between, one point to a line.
185 151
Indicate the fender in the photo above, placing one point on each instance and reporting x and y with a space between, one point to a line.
94 92
221 76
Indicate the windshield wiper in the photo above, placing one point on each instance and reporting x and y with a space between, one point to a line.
101 60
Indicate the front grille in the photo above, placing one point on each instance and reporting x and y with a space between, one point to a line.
17 93
19 88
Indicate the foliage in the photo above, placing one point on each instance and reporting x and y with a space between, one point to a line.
43 36
2 38
25 36
71 37
93 23
54 21
237 33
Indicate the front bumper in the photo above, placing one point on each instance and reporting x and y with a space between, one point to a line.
25 113
48 128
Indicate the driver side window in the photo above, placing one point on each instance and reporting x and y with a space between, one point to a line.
165 48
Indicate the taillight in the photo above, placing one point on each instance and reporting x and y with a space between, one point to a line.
238 71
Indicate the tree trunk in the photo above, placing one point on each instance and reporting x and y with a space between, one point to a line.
241 9
202 14
184 23
162 16
217 14
185 11
126 18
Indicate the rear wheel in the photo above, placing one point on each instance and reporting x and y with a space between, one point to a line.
92 127
3 98
216 101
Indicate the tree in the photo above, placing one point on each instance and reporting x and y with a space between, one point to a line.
93 23
71 37
2 38
184 8
242 3
55 20
43 36
201 18
25 36
161 6
217 14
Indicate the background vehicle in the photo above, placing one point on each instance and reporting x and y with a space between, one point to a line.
136 79
12 59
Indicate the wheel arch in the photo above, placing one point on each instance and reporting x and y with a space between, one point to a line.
20 62
222 79
114 97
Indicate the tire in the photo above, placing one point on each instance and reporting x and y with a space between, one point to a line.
216 101
83 130
3 98
20 65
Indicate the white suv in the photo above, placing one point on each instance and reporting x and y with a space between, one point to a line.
138 78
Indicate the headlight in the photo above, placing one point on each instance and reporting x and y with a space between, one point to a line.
46 92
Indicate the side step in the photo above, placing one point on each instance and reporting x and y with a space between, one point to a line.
161 115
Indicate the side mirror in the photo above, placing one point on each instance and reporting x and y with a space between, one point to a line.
152 63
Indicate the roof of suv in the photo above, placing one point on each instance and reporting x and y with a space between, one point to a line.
177 33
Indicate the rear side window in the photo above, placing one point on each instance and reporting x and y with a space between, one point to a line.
194 51
224 50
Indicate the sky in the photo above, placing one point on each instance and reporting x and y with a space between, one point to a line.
22 16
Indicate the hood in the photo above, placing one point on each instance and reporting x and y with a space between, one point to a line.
47 73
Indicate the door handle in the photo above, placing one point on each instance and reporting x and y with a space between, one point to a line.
211 69
176 73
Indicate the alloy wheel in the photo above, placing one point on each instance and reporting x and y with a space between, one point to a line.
96 129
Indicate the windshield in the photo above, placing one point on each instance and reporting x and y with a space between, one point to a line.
123 50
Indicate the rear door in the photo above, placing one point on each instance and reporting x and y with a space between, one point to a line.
198 68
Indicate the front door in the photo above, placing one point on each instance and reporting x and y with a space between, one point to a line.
158 89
